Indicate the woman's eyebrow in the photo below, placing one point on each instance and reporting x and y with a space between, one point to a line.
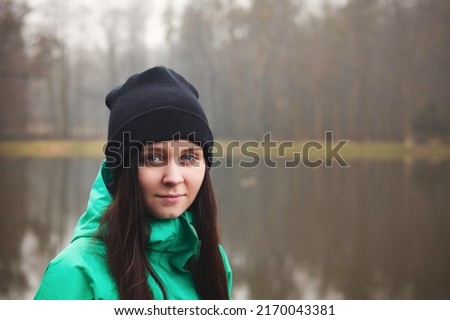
179 149
151 149
190 149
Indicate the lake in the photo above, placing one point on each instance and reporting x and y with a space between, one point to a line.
379 229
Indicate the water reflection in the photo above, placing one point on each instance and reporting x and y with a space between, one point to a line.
377 230
41 200
374 230
12 229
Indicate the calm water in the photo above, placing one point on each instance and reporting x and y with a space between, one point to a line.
376 230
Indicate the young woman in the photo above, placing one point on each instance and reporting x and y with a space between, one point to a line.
150 229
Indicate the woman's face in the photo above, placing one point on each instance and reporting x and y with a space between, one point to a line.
170 174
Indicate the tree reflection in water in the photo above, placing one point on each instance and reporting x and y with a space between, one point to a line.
370 231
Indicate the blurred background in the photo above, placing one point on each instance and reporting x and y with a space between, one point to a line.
374 72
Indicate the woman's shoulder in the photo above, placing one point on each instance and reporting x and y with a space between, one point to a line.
224 258
228 270
81 254
75 272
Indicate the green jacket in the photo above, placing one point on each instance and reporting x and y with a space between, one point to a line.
80 271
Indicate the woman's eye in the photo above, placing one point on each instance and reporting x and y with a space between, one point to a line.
188 157
153 159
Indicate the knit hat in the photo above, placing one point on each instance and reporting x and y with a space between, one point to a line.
152 106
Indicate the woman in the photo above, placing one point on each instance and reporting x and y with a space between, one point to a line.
150 228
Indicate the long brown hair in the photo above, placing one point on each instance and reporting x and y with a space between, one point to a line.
125 230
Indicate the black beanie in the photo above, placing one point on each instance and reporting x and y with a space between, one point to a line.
155 105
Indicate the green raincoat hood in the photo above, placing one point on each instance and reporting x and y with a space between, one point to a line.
80 271
99 200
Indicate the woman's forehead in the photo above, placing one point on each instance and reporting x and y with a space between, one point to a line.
171 144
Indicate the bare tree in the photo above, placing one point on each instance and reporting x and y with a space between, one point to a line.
13 63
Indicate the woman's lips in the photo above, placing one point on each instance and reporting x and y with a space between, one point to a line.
170 198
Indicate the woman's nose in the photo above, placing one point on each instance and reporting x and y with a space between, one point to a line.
172 174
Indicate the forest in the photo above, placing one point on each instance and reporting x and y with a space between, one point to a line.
368 70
